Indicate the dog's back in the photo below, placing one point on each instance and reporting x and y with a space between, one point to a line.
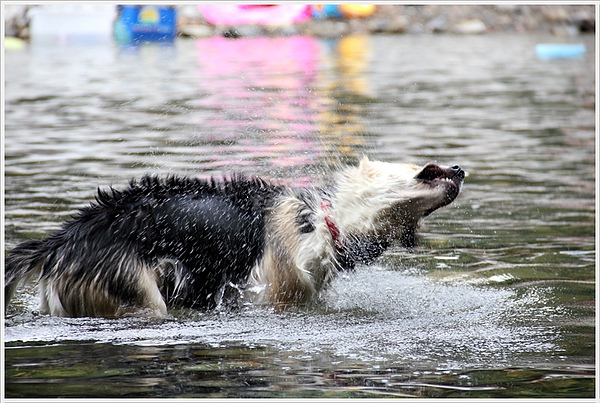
173 242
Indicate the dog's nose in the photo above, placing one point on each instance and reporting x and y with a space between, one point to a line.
458 171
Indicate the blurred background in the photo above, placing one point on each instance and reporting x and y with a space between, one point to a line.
499 298
327 20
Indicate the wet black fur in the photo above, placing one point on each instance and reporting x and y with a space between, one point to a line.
214 228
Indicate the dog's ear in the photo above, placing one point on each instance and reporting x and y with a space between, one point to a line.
409 237
365 167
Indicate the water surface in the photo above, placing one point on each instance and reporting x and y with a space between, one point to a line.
497 301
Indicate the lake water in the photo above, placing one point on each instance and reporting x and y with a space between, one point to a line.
497 301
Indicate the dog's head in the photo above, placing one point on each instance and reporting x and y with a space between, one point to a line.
390 199
442 183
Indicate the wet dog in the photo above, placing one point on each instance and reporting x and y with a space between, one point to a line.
186 242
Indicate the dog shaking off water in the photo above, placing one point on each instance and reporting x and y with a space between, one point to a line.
182 242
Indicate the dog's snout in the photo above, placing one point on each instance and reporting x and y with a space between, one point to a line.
456 168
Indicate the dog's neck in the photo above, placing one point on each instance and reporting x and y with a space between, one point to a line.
350 251
334 231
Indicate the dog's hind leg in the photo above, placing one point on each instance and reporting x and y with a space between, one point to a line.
151 299
130 289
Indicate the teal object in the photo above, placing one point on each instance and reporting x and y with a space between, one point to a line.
559 50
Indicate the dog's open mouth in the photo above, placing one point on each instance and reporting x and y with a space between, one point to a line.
433 174
450 178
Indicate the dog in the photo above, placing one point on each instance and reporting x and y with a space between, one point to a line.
181 242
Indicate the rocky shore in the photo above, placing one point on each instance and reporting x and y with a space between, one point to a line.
560 20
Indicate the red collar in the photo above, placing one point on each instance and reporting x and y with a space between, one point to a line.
333 229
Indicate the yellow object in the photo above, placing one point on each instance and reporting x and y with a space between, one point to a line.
13 43
357 10
149 15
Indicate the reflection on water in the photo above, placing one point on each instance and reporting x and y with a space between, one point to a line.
499 299
261 102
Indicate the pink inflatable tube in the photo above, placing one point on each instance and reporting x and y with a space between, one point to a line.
238 14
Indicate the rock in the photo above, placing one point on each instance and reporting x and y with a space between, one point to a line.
507 8
584 20
16 21
327 28
240 31
470 27
394 25
398 24
438 24
195 30
189 11
555 14
283 30
565 30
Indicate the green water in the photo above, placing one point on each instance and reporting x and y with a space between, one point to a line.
497 301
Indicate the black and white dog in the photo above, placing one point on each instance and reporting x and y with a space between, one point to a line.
184 242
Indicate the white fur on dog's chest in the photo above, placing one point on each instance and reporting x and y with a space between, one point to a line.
295 266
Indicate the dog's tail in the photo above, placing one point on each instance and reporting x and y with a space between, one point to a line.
23 264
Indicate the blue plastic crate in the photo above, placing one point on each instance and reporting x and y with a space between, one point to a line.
148 23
